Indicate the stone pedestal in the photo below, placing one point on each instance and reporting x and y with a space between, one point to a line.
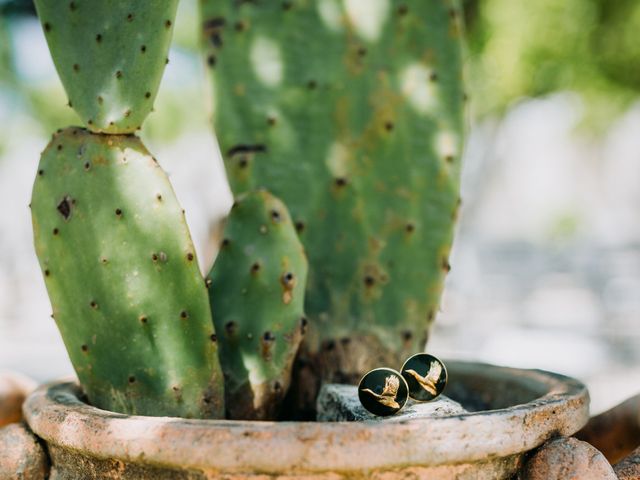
14 388
339 403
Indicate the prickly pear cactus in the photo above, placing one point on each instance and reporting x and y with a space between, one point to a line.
123 279
110 55
350 111
257 296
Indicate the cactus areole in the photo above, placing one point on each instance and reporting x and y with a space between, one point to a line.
351 112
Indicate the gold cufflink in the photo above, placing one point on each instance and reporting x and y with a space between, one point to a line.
425 375
383 391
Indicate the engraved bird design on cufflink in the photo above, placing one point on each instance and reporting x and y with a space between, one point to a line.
429 381
383 391
426 376
389 392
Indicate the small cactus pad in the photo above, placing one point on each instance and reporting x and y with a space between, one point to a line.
110 55
123 279
257 294
351 112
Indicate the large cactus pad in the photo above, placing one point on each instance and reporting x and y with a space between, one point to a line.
110 55
257 297
123 279
352 113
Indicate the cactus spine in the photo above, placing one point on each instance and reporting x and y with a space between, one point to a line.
257 296
352 113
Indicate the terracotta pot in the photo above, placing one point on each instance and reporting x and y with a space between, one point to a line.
14 388
512 412
629 467
616 432
21 455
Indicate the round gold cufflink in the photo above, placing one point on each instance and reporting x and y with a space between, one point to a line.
426 376
383 391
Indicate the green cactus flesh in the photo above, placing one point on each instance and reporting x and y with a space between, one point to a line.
257 294
123 279
351 112
110 55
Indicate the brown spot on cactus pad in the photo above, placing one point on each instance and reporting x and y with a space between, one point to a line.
64 207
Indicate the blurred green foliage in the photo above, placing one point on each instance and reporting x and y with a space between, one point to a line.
42 98
522 48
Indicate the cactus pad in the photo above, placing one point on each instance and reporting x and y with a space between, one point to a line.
257 293
351 112
123 278
110 55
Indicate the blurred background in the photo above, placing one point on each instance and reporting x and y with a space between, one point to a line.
546 264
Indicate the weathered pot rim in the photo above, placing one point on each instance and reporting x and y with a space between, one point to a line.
56 414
